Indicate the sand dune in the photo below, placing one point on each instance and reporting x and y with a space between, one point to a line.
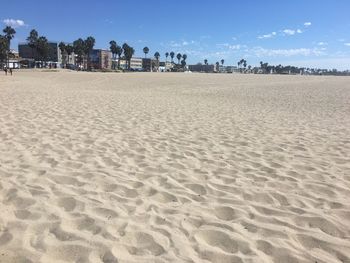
174 168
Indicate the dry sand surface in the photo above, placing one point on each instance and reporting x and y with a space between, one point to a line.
103 167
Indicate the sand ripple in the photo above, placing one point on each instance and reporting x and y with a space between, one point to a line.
174 168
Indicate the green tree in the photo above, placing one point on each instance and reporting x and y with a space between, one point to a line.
62 47
89 44
205 62
178 56
183 61
145 50
69 51
222 61
9 35
166 56
172 55
78 48
157 56
113 49
119 52
32 41
43 49
128 53
3 50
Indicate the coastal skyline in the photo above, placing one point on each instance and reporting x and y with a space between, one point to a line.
308 34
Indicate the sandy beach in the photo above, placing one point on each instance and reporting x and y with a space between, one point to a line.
161 167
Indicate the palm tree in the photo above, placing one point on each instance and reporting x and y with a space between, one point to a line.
43 49
157 56
145 50
205 62
240 63
172 55
244 64
183 61
217 65
69 50
78 47
119 52
3 50
113 49
178 56
88 47
128 53
222 61
166 56
126 50
9 35
32 40
63 50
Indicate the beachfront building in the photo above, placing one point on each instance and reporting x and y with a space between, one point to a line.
135 63
202 68
30 57
146 64
162 67
169 65
101 59
149 64
13 61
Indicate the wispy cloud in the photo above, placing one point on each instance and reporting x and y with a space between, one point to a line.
14 22
347 44
322 44
267 35
291 32
263 52
229 46
307 24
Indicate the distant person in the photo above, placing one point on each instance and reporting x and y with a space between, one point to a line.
5 69
11 71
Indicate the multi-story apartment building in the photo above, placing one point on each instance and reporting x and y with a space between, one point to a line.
53 59
101 59
135 63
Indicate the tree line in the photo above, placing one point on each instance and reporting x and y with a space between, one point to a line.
82 48
5 43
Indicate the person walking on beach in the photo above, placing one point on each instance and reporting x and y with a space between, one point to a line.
11 71
5 69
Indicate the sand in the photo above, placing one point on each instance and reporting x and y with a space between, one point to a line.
151 167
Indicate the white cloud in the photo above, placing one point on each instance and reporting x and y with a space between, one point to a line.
347 44
234 47
268 35
13 22
230 47
289 32
322 43
263 52
299 31
330 63
307 24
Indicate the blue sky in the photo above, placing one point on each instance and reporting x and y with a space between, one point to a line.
304 33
